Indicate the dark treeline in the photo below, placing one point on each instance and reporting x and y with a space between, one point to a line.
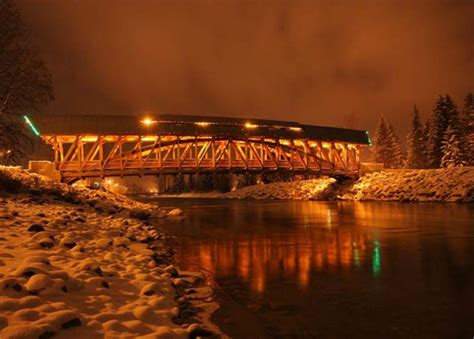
445 139
218 182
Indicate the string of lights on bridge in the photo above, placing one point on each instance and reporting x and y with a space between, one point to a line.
248 125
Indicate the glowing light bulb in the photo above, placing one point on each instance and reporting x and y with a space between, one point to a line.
148 121
202 123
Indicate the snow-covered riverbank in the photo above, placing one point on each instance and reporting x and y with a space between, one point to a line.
86 264
436 185
313 189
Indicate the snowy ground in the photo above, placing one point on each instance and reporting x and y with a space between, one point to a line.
442 185
76 263
314 189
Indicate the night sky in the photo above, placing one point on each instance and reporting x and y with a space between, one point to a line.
315 62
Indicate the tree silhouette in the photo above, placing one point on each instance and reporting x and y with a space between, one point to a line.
25 84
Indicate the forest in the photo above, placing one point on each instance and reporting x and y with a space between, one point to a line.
445 139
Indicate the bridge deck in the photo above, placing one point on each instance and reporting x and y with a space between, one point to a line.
98 146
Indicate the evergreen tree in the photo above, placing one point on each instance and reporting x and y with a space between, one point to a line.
444 114
467 124
396 155
381 148
451 149
426 140
415 140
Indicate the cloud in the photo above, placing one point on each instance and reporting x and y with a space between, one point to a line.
311 61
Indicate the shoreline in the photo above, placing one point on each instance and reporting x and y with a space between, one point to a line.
84 263
450 185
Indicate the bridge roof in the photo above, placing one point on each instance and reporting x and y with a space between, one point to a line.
185 125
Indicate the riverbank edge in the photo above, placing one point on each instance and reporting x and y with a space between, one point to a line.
22 192
447 185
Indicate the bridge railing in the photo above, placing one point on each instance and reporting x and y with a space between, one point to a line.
84 156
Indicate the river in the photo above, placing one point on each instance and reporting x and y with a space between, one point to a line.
303 269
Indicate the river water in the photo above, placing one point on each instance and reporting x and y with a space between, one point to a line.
302 269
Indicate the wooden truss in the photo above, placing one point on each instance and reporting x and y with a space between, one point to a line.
85 156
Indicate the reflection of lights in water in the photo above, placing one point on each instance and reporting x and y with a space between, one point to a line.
244 262
376 259
356 257
206 258
304 266
329 218
258 261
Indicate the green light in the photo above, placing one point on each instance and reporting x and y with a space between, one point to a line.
368 137
33 128
376 259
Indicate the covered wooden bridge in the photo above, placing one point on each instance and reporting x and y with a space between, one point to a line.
99 146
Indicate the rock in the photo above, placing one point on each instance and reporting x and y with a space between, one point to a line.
68 242
102 206
90 265
141 248
136 326
30 301
103 242
30 269
75 322
121 241
150 289
143 313
24 331
42 260
196 331
36 228
46 243
63 319
172 271
38 282
114 325
139 214
25 315
175 212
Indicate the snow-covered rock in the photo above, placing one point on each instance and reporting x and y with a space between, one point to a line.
78 263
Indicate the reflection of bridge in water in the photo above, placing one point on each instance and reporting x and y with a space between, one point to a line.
98 146
264 253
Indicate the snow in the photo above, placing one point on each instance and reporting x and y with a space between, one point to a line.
77 263
455 184
313 189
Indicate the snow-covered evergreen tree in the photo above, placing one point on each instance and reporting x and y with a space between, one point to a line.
381 147
467 124
444 114
415 141
451 149
387 149
426 141
396 154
